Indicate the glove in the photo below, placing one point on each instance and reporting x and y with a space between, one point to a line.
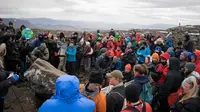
16 77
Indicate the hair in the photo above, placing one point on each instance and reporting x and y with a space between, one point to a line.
194 88
140 68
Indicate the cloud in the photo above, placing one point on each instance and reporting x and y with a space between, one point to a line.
115 11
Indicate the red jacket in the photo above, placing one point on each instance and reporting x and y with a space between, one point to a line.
110 45
164 70
197 52
118 53
137 37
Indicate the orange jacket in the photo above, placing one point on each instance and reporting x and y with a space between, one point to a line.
100 100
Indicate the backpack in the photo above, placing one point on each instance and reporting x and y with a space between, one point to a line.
146 93
134 109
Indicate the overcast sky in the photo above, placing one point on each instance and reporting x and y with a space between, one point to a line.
115 11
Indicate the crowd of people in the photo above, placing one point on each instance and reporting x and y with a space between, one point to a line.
131 72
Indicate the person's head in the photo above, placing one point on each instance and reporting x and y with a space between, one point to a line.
115 59
95 81
190 88
71 43
184 55
41 37
67 88
193 57
189 68
128 68
132 92
155 58
140 69
164 57
115 77
147 60
22 27
129 45
10 24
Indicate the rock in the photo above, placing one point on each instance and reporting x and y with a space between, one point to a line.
41 76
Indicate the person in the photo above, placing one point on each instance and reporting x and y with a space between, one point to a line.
116 64
93 91
40 52
7 79
118 52
162 68
141 78
190 100
115 98
142 52
87 52
128 48
134 104
10 29
71 58
184 58
171 84
2 25
103 62
189 70
189 44
38 41
61 53
127 73
197 60
112 33
66 101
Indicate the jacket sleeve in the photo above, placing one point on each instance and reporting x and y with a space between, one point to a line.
110 103
101 105
6 84
91 51
46 54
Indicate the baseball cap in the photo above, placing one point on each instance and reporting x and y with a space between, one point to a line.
115 73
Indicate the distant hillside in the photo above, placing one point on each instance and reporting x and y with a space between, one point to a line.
46 23
18 22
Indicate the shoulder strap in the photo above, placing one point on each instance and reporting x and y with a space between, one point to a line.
144 106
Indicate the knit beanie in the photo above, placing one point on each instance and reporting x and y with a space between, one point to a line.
155 56
96 77
132 92
165 55
128 67
190 66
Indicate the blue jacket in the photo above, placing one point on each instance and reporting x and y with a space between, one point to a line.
142 53
117 65
67 97
36 43
71 53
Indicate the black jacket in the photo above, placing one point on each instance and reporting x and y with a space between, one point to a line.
189 46
189 105
4 82
127 76
103 62
172 81
115 99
